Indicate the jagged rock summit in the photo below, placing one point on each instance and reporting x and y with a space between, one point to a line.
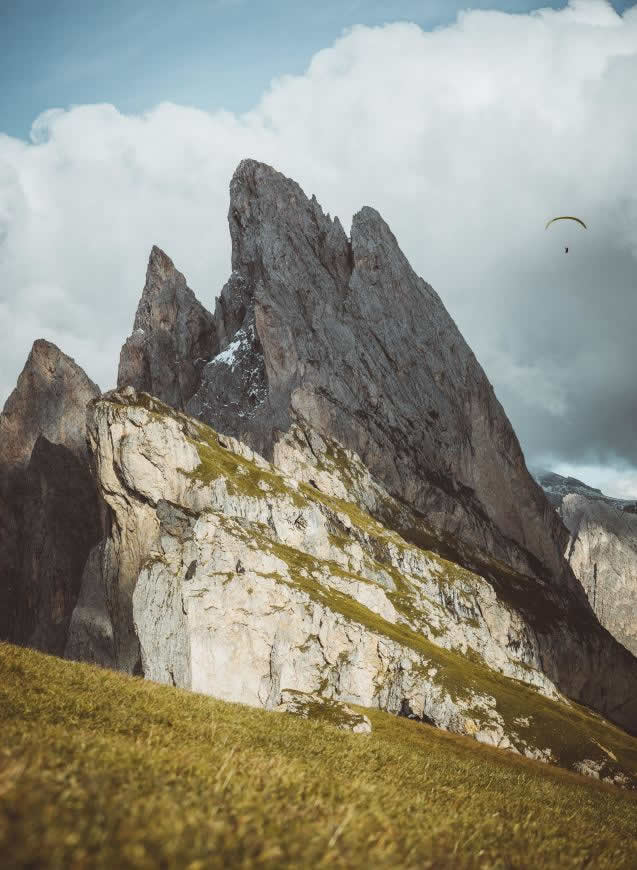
49 506
340 336
357 527
341 332
556 487
50 399
173 335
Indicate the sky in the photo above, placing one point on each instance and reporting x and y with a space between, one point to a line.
121 125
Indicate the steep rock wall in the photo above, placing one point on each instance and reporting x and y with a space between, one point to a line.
239 580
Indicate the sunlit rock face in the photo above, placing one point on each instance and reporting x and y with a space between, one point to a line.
602 551
228 575
342 515
50 399
49 505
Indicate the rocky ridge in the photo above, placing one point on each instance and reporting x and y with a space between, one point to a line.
240 581
303 334
307 308
556 487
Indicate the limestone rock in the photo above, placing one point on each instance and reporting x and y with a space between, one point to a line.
314 706
173 335
59 521
556 487
305 313
602 551
225 575
90 635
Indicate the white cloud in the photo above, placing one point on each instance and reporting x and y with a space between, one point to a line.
466 139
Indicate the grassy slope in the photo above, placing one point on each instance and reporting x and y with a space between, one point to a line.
102 770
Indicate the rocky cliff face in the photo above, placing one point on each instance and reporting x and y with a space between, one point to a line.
556 487
343 333
173 336
49 505
602 551
305 335
228 576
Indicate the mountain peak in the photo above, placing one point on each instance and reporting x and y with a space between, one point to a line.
404 391
159 263
50 399
172 335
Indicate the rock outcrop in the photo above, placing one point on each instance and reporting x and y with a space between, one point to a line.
50 399
226 575
395 554
50 514
343 333
342 336
556 487
173 336
602 551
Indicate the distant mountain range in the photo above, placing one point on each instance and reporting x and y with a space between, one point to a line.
556 487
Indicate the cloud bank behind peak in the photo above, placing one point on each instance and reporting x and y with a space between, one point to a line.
466 138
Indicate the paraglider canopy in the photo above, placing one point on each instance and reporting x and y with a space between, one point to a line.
565 218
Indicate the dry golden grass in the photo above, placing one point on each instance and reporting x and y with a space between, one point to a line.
102 770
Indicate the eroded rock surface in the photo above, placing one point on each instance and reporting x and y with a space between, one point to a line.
308 307
317 707
173 336
59 521
90 635
228 576
50 399
305 335
602 551
49 504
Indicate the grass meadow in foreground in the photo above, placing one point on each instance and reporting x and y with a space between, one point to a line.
101 770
